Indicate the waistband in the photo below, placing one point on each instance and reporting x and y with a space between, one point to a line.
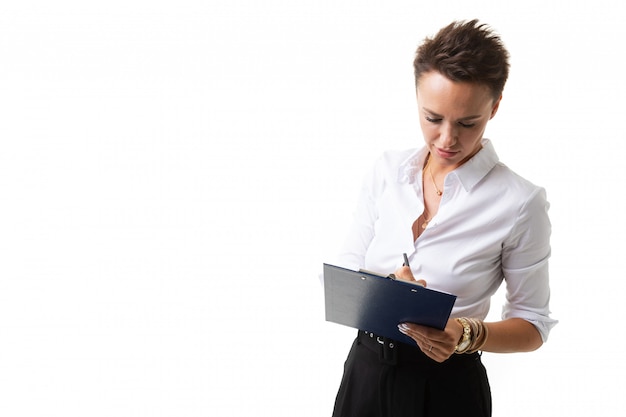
392 352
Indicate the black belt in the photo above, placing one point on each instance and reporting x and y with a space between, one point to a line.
392 352
387 348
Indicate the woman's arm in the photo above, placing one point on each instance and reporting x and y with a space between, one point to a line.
512 335
507 336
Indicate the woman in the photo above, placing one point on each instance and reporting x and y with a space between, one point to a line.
467 222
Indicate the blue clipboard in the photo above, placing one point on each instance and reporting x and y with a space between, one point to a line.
375 303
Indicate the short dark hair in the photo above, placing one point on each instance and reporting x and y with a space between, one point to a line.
465 51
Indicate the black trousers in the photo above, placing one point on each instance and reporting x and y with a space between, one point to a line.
385 378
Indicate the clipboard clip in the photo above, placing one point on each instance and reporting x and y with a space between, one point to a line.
365 271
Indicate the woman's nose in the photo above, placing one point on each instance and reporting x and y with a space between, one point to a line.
448 135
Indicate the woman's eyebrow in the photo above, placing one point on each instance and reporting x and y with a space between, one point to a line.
432 113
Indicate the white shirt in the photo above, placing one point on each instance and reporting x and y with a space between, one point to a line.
492 225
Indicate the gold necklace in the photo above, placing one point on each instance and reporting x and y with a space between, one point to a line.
430 171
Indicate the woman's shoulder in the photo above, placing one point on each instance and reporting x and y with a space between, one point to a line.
497 176
508 184
513 179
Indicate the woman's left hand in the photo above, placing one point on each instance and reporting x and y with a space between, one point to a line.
437 344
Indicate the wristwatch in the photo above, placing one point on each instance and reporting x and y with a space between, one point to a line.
466 339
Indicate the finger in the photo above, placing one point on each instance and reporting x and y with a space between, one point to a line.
429 347
430 333
432 350
404 273
424 331
409 330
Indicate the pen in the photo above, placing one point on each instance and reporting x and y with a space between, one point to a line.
406 260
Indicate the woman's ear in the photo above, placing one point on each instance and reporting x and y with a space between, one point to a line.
496 105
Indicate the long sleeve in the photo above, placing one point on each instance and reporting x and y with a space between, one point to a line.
361 231
525 265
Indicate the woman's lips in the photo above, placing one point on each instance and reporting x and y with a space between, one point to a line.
445 154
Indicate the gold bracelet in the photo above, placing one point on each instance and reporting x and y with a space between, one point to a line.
466 340
480 339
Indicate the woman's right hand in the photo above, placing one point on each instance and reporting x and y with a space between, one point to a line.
404 274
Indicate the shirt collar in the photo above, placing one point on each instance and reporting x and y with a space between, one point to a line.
469 174
412 166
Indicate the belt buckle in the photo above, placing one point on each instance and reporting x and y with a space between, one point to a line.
388 352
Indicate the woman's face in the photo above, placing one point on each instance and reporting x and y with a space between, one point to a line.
453 117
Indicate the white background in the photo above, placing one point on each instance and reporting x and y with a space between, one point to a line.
173 174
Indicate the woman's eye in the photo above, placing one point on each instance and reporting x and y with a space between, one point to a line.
438 120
